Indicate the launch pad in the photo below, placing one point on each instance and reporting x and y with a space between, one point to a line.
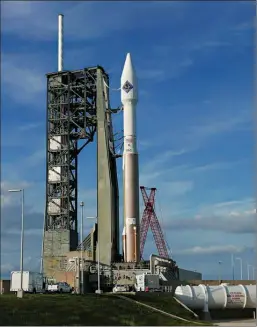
78 110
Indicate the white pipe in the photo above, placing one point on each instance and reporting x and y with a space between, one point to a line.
60 43
206 298
219 296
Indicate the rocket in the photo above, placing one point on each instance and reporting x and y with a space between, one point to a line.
129 99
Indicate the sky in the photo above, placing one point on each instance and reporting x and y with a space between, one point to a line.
194 62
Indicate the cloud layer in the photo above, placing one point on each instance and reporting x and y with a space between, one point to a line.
194 117
232 222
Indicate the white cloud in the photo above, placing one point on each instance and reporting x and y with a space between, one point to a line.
7 198
177 188
6 268
30 126
175 179
154 74
159 160
175 69
224 217
36 158
11 229
16 9
236 203
89 197
156 173
37 232
19 137
25 18
215 249
223 123
25 78
195 133
245 26
213 166
79 18
25 72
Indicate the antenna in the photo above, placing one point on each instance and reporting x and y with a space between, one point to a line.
60 43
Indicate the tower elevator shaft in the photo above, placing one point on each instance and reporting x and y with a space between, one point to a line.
77 109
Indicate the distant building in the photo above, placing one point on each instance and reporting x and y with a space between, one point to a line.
185 275
5 286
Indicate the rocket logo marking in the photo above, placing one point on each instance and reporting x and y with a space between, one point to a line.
127 87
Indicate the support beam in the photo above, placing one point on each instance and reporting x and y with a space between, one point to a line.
107 183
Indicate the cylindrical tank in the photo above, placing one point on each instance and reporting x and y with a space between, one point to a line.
218 297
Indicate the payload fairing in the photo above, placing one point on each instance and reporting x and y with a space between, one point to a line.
129 98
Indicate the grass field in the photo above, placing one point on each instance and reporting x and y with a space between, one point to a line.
163 301
90 309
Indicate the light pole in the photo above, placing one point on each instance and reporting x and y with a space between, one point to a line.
20 292
220 263
82 248
254 272
98 268
98 291
233 266
241 267
248 271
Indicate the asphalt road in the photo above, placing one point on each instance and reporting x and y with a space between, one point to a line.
235 323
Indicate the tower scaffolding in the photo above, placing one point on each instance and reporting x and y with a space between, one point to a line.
77 106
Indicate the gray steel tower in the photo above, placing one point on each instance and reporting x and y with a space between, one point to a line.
77 108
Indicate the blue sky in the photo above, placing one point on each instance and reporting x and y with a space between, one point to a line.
194 62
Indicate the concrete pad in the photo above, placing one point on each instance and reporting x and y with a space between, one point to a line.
235 323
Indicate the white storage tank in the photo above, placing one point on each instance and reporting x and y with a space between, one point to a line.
218 297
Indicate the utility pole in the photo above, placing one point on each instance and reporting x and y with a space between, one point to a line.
20 292
248 272
220 263
241 267
82 248
233 266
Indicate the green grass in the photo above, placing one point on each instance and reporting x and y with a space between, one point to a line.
90 309
165 302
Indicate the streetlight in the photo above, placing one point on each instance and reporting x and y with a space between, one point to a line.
20 292
82 247
254 272
98 291
241 267
220 262
248 271
233 266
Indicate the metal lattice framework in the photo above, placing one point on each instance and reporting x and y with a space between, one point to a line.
71 101
149 218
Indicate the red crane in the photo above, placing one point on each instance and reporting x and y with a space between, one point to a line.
149 218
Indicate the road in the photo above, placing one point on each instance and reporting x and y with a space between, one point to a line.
235 323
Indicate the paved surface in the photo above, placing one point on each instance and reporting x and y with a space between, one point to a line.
236 323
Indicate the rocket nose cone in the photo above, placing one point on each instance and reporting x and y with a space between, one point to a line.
128 61
128 67
129 81
128 57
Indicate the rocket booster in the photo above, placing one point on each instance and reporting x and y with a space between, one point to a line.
129 98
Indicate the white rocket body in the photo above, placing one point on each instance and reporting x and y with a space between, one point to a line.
129 98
